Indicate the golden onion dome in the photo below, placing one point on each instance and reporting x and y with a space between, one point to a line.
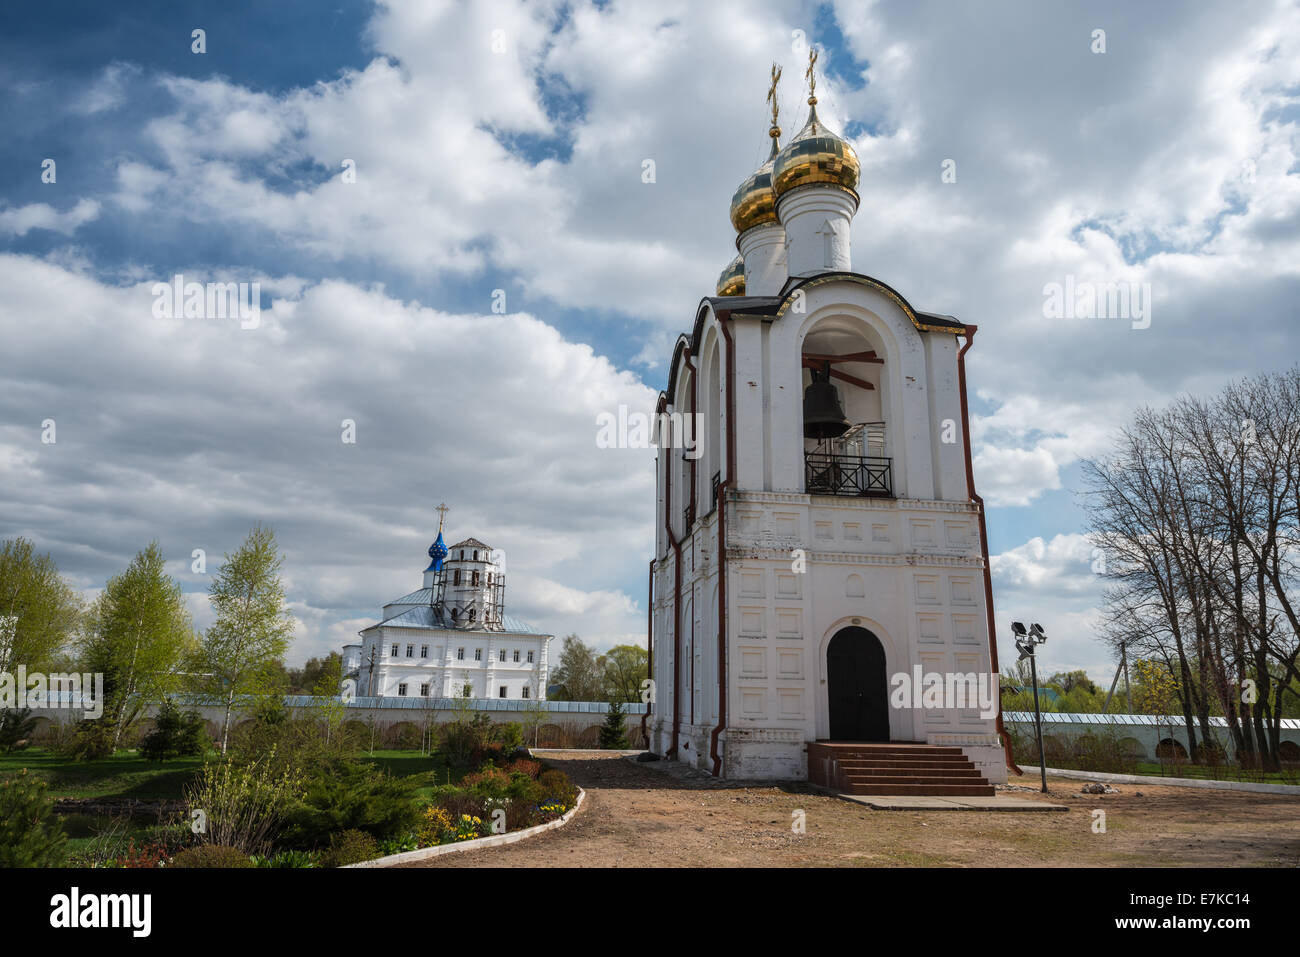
754 202
815 155
732 280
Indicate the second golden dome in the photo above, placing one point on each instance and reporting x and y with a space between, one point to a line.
815 155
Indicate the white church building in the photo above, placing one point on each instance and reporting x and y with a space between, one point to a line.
451 637
827 544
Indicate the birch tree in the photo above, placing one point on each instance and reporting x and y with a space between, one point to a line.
251 631
137 635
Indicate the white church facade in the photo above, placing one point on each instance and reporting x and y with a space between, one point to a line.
452 636
828 537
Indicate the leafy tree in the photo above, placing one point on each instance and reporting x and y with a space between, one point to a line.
580 673
625 669
613 734
307 679
251 632
1155 692
1067 681
39 611
138 634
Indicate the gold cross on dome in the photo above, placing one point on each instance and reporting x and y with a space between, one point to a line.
442 511
811 74
771 98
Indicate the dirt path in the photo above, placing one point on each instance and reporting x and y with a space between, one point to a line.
642 816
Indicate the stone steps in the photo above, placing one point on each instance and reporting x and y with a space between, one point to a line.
897 768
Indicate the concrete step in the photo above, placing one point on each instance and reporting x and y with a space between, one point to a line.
922 790
913 772
901 762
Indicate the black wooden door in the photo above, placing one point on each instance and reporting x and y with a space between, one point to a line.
857 687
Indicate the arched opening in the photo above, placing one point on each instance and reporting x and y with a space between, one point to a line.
1169 748
846 436
857 688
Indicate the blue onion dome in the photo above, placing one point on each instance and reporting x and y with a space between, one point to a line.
732 280
437 552
815 155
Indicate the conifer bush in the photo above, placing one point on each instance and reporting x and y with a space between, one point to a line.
30 833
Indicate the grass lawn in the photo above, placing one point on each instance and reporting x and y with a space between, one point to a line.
1291 776
127 775
402 764
124 775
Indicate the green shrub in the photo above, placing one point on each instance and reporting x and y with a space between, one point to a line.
489 783
461 804
245 805
87 740
465 740
287 859
557 788
342 794
30 834
349 847
509 735
16 728
399 845
212 855
175 734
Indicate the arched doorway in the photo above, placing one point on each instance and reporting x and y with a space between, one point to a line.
857 687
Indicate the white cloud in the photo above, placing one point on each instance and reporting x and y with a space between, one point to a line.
191 430
19 221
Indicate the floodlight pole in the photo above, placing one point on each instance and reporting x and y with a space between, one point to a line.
1038 720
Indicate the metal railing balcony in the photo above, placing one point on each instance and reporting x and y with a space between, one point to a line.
827 473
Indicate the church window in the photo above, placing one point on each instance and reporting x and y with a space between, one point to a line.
410 651
395 651
501 655
525 694
473 578
460 654
516 656
424 691
476 554
465 691
478 654
503 692
401 689
530 657
473 613
456 577
424 651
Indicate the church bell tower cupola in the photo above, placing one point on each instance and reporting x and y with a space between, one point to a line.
761 238
815 180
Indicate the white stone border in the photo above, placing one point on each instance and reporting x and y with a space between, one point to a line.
496 840
1177 782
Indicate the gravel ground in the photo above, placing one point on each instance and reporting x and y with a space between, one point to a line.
638 815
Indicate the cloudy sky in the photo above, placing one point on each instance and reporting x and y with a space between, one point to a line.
498 150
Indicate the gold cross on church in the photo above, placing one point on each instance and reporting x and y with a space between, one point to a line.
811 74
775 132
442 511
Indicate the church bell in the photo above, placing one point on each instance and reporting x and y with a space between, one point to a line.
823 415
